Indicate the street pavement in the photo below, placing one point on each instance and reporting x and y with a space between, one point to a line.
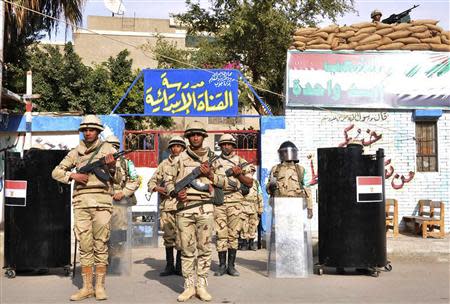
420 274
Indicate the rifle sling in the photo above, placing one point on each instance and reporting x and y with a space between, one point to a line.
94 153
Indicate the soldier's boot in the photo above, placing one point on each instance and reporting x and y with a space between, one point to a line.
178 270
189 290
231 259
244 244
202 293
100 276
87 290
222 264
169 270
252 245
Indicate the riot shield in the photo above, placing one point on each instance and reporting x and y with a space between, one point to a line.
120 239
290 245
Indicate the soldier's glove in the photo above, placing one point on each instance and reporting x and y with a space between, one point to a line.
272 187
310 213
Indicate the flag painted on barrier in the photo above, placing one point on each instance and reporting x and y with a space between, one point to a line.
369 189
15 193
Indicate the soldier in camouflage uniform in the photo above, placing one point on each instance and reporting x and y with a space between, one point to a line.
126 182
195 216
227 217
252 208
287 179
168 206
92 204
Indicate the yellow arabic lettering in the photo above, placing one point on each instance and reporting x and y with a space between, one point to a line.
198 85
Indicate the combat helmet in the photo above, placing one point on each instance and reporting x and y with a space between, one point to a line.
113 140
91 122
227 139
375 12
195 127
288 152
177 140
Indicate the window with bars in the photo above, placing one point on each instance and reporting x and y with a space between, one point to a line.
426 146
140 141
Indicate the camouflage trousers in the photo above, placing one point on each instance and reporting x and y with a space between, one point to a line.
195 231
228 224
167 222
92 230
249 225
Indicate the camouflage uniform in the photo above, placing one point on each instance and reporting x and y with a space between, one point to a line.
290 181
194 224
92 204
252 207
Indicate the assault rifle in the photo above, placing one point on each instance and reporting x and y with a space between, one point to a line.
403 17
189 180
98 167
244 188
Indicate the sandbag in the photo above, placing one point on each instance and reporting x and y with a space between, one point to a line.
436 28
401 26
334 43
330 29
368 30
381 25
385 40
426 34
369 39
346 28
302 38
322 46
366 47
358 38
384 31
342 47
346 34
391 46
416 47
418 29
317 41
440 47
299 43
399 34
434 40
424 21
320 35
408 40
444 39
446 33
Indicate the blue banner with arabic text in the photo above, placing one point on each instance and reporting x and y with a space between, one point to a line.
179 92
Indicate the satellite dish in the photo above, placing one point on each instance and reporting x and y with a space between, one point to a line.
115 6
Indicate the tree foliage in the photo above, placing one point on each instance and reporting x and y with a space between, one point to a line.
257 34
66 84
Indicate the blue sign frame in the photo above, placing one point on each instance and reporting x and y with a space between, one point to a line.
191 92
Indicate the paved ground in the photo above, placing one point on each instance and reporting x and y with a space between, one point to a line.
415 278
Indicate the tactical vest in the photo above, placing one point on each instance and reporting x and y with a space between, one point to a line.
289 180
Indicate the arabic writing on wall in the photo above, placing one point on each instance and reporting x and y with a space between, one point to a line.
191 92
357 117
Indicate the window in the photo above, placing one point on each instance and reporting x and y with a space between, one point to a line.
426 146
140 141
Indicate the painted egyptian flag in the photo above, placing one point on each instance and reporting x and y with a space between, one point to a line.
369 189
15 193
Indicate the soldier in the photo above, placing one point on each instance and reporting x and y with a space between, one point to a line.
227 217
126 182
168 206
287 179
252 208
92 204
376 15
195 215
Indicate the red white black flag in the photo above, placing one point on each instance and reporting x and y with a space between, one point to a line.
15 193
369 189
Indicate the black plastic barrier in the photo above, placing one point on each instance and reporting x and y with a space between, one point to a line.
37 230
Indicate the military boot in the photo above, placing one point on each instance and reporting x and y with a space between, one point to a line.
178 270
231 259
87 290
189 290
202 293
169 270
252 245
222 264
244 244
100 275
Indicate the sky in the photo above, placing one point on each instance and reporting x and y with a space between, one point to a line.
431 9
